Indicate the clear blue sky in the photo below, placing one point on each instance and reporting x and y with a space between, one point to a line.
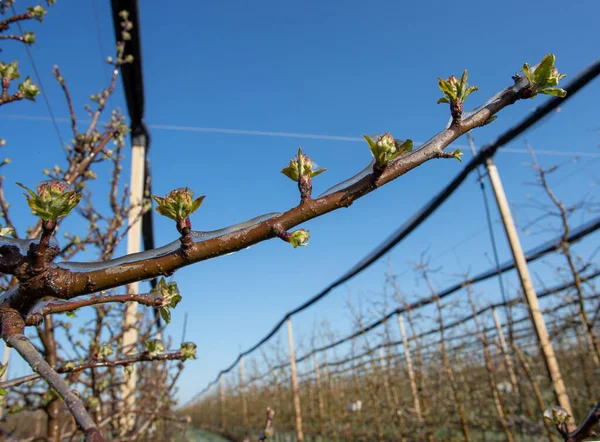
313 67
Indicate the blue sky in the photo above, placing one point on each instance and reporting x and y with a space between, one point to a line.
324 68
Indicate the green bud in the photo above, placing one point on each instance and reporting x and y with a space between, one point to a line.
124 15
10 71
387 148
557 415
178 204
155 347
29 89
54 199
69 365
455 91
457 155
126 36
299 238
5 231
189 351
29 38
544 78
93 402
105 350
165 313
37 12
301 166
169 292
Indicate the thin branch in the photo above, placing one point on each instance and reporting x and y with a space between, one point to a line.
28 352
71 368
63 84
150 300
147 265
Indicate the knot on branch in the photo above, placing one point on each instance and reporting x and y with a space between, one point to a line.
187 243
34 319
10 259
40 255
11 323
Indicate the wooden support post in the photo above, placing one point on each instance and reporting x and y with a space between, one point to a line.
531 298
310 425
507 359
130 336
409 367
244 398
320 404
295 391
222 401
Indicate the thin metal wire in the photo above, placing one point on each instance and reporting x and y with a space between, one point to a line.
39 81
100 45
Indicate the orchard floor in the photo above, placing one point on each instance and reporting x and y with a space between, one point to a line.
196 435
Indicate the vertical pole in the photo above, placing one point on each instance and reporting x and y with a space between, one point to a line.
244 399
505 353
530 296
130 336
320 404
222 400
385 380
409 367
295 392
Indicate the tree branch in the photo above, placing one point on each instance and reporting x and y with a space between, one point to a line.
146 265
150 300
68 368
28 352
586 428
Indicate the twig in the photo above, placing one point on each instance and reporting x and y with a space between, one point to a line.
268 430
150 300
68 368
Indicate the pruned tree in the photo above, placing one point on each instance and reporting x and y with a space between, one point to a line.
41 279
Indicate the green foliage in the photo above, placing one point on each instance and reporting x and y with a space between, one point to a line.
171 296
10 71
37 12
54 199
387 148
301 166
544 78
178 204
454 90
189 351
299 238
155 347
557 415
